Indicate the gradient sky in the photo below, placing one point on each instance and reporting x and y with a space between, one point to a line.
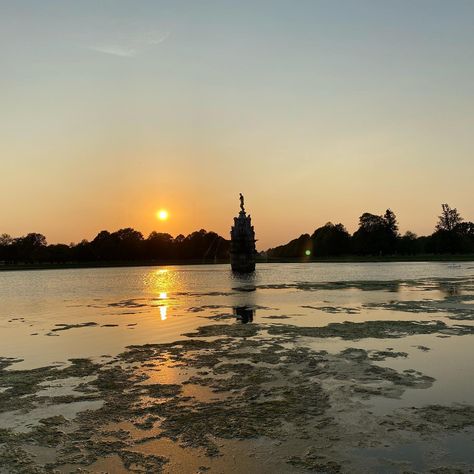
315 110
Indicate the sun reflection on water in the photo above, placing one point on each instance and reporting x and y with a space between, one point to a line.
163 283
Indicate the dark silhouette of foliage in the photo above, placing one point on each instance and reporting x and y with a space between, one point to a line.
448 219
331 239
408 244
30 248
158 246
379 235
294 249
452 235
123 245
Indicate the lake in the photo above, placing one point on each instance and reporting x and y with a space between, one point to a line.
311 367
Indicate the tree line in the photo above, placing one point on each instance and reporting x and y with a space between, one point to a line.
378 235
120 246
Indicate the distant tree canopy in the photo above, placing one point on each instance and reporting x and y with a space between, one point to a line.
123 245
331 239
379 235
296 248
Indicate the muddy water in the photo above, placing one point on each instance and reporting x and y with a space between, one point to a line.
299 367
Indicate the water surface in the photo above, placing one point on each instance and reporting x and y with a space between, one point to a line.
51 316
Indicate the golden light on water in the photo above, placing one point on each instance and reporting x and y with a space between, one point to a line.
162 215
163 283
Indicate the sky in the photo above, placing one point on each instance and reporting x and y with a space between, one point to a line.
315 110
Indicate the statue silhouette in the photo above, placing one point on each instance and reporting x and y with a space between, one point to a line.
241 197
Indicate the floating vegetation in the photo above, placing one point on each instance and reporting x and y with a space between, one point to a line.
370 329
65 327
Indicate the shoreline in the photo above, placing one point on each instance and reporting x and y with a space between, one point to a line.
344 259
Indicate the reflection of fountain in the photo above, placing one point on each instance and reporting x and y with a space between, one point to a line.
244 296
450 288
244 313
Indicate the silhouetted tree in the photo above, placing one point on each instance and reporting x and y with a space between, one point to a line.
103 246
391 223
203 245
83 252
369 237
448 219
128 244
6 242
159 246
377 235
331 240
408 244
30 248
451 234
59 253
391 230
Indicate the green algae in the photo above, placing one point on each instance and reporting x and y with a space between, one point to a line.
457 313
21 386
334 309
432 418
65 327
16 460
314 462
142 462
234 330
382 355
371 329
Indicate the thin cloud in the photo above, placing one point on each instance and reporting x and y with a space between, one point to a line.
115 50
152 39
136 45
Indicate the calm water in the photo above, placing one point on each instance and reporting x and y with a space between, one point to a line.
157 304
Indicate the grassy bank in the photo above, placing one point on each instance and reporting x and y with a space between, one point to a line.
381 258
342 259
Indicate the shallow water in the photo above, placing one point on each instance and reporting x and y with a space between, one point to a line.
50 316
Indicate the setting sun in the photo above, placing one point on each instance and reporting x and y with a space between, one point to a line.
162 215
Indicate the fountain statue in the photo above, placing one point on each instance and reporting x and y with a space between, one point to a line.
242 242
